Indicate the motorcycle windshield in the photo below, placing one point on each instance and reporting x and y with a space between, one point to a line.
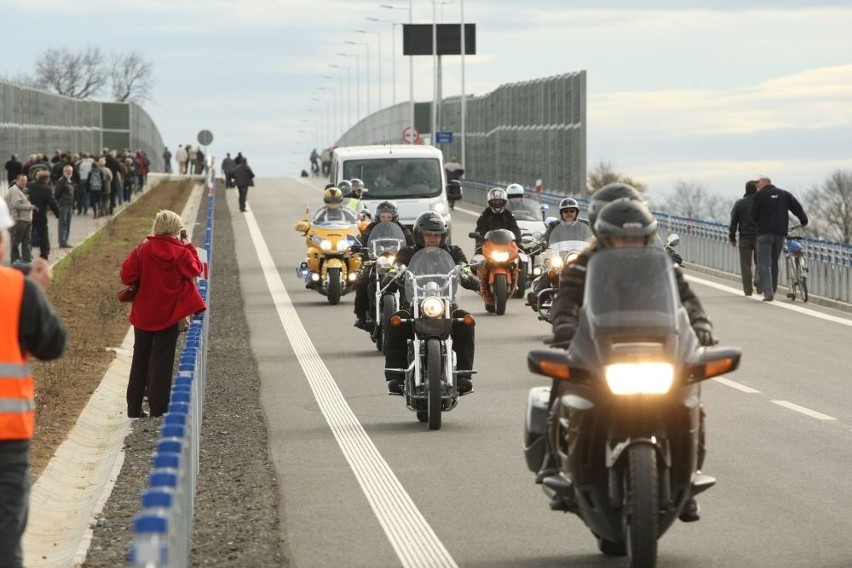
339 218
563 247
429 274
384 238
524 211
631 291
574 231
500 236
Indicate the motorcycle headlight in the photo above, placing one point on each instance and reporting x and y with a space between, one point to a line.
385 260
499 255
639 378
325 244
343 244
556 262
432 307
571 257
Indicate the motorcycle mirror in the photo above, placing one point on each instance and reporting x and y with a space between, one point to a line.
709 362
474 235
552 364
477 262
673 240
550 220
544 206
301 227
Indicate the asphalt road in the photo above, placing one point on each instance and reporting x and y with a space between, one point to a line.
365 484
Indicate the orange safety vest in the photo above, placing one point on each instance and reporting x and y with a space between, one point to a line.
17 405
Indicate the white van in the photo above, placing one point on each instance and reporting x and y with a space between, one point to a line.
411 176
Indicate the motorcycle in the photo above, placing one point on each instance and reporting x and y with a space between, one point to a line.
500 258
382 246
625 425
565 243
531 222
333 260
431 284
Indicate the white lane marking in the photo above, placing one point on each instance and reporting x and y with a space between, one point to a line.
784 305
468 211
737 386
803 410
413 540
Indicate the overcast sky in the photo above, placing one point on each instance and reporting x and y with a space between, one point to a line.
710 92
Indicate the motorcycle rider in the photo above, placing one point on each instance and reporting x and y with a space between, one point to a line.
495 216
386 212
569 214
430 230
621 223
357 188
515 195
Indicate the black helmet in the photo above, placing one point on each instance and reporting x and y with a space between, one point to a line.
429 222
345 187
357 186
610 192
497 198
569 203
625 217
387 207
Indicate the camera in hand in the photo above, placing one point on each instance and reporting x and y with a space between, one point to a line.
183 236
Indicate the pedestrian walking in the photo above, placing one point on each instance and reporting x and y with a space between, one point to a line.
770 211
167 160
243 178
181 156
163 267
64 194
29 326
228 165
742 223
13 168
42 200
22 214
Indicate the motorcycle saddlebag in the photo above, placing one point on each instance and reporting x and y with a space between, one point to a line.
535 428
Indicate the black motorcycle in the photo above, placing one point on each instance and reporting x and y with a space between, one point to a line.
625 424
385 241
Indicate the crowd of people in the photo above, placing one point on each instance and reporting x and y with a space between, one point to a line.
190 159
63 184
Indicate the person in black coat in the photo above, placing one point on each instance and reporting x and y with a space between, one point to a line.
41 196
770 211
741 220
13 168
243 179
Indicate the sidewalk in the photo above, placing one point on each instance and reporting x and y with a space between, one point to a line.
79 478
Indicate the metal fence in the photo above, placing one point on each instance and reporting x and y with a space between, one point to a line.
706 244
34 121
521 132
162 530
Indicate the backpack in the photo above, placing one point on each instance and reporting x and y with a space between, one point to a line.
96 180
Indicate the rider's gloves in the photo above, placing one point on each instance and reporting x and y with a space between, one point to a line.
564 332
704 331
470 282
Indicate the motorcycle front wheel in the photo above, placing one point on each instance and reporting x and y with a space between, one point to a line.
501 291
433 382
333 276
388 310
641 513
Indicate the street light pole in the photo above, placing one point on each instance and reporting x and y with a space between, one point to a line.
326 117
393 54
348 89
410 68
357 82
379 45
367 83
335 109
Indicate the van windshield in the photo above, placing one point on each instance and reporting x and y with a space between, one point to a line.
397 178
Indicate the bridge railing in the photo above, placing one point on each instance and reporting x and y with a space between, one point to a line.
162 530
706 244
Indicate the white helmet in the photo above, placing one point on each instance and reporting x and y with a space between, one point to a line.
515 190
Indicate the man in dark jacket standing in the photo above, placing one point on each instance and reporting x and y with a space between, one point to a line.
41 196
741 219
770 212
13 168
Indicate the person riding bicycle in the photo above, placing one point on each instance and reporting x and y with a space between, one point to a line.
386 212
430 230
623 222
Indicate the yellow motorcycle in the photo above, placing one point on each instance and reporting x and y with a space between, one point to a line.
333 260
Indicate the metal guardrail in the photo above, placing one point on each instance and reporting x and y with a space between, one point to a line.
706 244
162 530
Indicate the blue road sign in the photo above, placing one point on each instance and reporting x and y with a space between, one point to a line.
443 137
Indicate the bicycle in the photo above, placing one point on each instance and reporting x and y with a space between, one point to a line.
797 270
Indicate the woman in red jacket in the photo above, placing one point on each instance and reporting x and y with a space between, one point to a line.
164 267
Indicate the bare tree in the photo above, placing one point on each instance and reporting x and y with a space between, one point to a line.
829 207
604 173
131 77
79 75
691 200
